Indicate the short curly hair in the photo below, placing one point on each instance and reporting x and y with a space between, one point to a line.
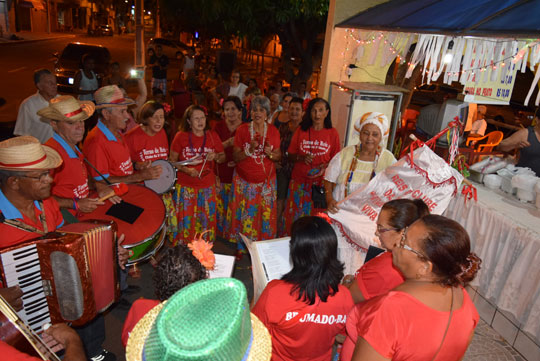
177 268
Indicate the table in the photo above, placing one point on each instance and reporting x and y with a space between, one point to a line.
505 234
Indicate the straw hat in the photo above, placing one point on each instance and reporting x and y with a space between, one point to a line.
378 119
111 96
68 108
208 320
27 154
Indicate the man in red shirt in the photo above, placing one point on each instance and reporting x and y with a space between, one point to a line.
71 188
104 146
29 211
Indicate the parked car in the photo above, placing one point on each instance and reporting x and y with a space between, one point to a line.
105 30
171 48
69 62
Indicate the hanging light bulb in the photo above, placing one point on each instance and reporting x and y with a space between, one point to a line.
448 56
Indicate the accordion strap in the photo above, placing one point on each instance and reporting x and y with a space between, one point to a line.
26 227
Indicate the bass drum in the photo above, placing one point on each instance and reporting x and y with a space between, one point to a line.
166 180
146 235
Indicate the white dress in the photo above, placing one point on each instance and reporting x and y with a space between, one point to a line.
337 173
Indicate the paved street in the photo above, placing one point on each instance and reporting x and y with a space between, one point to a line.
18 62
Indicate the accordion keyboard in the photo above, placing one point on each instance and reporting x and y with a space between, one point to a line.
21 267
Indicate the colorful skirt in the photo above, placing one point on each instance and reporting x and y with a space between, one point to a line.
223 201
299 204
170 213
195 213
252 210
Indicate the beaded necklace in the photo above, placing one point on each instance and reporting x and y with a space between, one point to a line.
258 156
353 165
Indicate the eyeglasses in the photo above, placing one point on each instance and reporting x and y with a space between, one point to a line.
382 230
41 177
408 248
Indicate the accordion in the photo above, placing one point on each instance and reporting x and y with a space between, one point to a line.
66 276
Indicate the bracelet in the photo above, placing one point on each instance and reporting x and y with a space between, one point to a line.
75 204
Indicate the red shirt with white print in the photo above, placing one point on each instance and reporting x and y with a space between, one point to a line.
302 332
256 168
322 145
144 147
188 146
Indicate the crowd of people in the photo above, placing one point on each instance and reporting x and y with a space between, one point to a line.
261 165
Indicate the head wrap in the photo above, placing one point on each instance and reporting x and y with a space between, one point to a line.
375 118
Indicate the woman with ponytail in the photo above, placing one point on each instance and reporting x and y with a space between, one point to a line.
429 316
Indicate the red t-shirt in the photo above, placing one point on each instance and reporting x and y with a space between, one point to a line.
188 146
400 327
12 354
225 169
143 147
138 309
71 178
12 236
108 153
378 276
311 334
322 144
248 168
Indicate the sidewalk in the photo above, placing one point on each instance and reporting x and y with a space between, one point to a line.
29 36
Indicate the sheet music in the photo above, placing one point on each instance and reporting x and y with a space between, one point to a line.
274 256
223 267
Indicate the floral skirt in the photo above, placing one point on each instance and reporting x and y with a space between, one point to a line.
170 214
252 210
223 203
299 204
195 210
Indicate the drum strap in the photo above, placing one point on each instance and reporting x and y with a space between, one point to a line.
26 227
97 171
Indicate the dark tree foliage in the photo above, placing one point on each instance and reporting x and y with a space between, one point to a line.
299 24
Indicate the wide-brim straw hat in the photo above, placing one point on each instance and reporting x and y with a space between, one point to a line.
26 153
111 96
67 108
208 320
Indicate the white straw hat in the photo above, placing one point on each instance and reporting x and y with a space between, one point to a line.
26 153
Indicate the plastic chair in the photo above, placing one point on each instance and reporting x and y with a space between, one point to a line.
493 140
408 121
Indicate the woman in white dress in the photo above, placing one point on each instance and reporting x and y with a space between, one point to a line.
353 167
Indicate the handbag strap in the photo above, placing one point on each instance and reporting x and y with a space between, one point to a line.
447 325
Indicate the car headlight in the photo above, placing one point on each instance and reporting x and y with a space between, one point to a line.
71 81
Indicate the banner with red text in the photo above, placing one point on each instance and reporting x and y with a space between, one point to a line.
425 175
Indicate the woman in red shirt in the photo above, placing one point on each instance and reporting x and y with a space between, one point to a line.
307 307
252 209
232 109
312 147
378 276
147 141
430 316
195 193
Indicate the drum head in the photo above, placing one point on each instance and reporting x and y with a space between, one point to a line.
167 179
148 223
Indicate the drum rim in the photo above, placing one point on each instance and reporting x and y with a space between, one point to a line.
153 252
128 246
173 183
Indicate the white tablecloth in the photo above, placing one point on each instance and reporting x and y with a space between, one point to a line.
505 234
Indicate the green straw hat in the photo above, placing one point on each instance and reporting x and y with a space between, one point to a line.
208 320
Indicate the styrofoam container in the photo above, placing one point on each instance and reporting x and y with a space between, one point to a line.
506 185
525 195
492 181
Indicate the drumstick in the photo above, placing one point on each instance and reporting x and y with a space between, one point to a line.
117 190
204 163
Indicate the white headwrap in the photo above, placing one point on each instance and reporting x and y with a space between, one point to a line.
378 119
